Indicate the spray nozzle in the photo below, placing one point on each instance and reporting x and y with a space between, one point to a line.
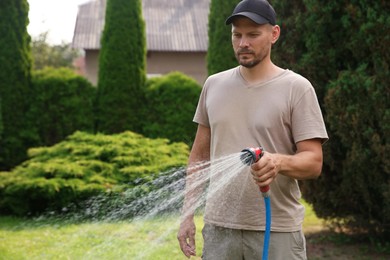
251 155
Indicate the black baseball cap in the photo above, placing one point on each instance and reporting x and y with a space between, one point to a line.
259 11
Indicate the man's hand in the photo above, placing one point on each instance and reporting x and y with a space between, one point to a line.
264 171
186 237
305 164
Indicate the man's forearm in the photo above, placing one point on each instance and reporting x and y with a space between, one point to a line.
198 163
301 166
305 164
195 185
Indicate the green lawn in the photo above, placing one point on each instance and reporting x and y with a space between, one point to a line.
49 239
29 239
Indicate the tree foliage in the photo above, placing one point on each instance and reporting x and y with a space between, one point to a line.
15 91
121 68
338 46
1 121
55 56
357 99
220 55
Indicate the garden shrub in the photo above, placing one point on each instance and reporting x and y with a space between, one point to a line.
361 199
85 165
62 104
171 104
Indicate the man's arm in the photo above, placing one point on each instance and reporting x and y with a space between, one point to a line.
201 148
305 164
200 152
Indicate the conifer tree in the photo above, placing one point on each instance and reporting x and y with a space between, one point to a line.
337 45
122 69
350 58
220 54
15 81
1 121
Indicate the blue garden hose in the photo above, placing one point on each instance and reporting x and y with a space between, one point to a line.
249 156
267 233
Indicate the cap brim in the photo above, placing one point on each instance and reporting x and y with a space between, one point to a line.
254 17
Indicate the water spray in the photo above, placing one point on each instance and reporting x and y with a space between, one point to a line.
249 156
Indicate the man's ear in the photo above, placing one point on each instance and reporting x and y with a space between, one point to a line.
275 33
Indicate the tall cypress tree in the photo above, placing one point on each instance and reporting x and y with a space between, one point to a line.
122 68
1 121
338 46
350 57
220 54
15 78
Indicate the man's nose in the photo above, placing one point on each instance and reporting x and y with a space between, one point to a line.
244 42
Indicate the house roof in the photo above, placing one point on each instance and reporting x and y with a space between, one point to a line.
171 25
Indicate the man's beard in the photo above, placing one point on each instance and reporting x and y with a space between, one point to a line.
249 63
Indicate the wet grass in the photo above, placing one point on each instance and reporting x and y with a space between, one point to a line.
150 239
53 239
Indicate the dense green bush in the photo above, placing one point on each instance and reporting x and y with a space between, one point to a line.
359 116
346 58
62 104
170 107
1 121
85 165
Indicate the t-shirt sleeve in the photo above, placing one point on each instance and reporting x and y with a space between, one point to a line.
307 119
201 116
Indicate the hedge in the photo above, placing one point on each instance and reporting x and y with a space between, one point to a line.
170 106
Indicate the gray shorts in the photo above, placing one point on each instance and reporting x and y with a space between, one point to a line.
235 244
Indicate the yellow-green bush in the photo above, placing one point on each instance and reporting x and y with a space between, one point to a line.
84 165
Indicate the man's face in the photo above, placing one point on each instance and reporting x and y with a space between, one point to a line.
251 42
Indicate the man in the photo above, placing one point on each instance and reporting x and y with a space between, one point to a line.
256 104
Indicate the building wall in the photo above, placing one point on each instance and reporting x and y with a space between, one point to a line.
192 64
92 65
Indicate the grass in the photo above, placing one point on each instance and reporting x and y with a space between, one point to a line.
150 239
50 239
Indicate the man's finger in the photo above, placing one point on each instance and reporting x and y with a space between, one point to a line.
191 245
184 247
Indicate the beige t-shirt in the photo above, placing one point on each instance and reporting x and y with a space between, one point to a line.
275 115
